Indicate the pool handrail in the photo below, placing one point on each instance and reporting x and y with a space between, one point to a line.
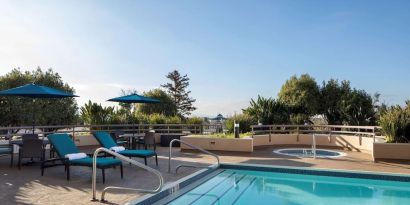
123 158
186 165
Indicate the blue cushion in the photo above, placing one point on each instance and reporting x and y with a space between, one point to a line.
137 152
105 139
63 144
101 162
5 150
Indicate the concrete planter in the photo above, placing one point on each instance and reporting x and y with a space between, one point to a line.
391 151
219 144
354 143
85 140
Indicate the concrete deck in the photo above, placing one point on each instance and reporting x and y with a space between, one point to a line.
28 187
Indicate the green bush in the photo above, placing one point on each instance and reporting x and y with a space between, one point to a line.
395 123
245 121
173 120
194 120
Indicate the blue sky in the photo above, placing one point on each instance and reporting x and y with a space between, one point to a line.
231 50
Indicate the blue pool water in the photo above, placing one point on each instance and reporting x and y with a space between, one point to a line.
302 152
259 188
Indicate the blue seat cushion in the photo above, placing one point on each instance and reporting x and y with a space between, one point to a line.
63 144
137 153
5 150
105 139
101 162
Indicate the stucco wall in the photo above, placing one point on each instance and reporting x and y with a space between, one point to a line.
221 144
355 143
391 151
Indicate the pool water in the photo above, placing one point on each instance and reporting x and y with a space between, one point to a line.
259 188
300 152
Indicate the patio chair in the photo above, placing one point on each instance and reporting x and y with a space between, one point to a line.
63 145
32 148
106 141
7 149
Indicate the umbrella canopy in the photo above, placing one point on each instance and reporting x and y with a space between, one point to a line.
36 91
134 99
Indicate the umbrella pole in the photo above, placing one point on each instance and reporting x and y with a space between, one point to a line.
34 115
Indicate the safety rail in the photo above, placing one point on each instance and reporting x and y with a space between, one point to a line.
365 131
187 165
75 130
123 158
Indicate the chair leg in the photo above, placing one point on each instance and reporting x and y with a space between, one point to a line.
145 160
68 172
42 169
19 161
103 175
11 160
122 172
156 159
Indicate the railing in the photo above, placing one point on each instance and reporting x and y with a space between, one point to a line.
186 165
362 131
78 129
122 157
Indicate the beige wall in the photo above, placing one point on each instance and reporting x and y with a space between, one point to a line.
355 143
85 140
221 144
391 151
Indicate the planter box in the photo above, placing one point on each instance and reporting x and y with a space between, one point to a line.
354 143
85 140
219 144
391 151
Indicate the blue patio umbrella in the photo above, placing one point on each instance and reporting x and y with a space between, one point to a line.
36 91
134 99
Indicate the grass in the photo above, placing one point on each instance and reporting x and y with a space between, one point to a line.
225 136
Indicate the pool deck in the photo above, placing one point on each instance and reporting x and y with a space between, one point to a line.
27 186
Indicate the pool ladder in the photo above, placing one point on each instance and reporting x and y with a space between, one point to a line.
123 158
188 165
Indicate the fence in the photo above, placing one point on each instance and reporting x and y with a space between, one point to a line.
128 128
362 131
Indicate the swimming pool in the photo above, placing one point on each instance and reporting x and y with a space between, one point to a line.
303 152
241 185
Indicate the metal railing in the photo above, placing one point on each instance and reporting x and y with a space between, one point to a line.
123 158
362 131
187 165
79 129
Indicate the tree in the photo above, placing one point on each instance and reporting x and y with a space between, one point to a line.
341 104
331 96
166 106
177 89
357 108
268 111
17 111
95 114
303 93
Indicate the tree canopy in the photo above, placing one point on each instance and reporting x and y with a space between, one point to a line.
177 89
17 111
302 92
166 106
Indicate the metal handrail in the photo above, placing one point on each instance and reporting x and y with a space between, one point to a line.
194 147
122 157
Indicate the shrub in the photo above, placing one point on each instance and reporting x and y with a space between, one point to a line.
194 120
245 121
395 123
173 120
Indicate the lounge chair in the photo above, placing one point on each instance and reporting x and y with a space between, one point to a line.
63 145
106 141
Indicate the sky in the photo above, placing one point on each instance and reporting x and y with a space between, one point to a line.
232 51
